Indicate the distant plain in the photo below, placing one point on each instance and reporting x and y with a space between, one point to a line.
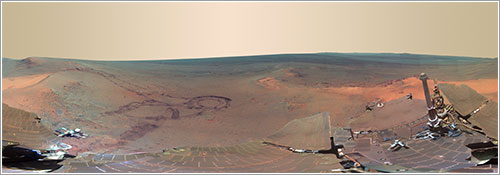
145 106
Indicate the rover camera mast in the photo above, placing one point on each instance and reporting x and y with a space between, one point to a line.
430 107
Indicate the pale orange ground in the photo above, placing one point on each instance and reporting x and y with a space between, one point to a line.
35 101
37 98
293 105
22 82
486 87
31 99
398 88
269 83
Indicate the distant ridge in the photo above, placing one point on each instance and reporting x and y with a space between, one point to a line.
282 54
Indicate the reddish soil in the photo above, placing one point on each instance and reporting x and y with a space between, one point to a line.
270 83
22 82
148 107
486 87
397 88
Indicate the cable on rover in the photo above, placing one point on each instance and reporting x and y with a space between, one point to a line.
356 163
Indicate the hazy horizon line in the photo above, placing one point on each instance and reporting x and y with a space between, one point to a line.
253 55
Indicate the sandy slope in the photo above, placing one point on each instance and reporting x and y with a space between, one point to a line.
486 87
398 88
23 81
128 106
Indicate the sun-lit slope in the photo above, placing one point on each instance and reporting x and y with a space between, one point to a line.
203 105
23 82
394 89
136 109
139 105
23 127
34 66
485 87
68 94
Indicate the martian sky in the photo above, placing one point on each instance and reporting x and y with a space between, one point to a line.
172 30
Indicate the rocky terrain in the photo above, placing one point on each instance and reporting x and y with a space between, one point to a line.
145 106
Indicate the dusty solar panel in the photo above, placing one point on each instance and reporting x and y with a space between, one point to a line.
341 135
463 98
22 127
487 119
310 132
441 155
252 157
246 157
421 155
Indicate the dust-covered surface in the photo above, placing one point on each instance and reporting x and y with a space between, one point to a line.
23 127
487 119
310 132
392 113
420 156
147 106
464 99
252 157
